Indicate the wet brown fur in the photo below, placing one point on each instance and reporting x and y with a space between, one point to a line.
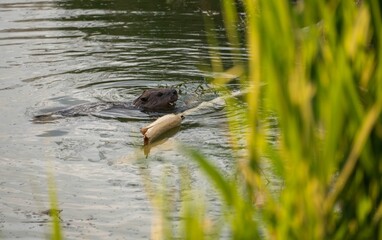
157 99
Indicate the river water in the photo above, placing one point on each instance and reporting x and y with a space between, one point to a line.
60 53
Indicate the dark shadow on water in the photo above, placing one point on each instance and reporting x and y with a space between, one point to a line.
53 133
134 5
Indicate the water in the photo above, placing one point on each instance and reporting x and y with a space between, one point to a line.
56 54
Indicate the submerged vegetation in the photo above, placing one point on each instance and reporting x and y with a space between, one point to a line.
317 67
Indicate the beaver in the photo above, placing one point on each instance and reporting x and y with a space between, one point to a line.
158 99
152 100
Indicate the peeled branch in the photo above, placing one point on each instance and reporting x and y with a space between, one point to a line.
160 126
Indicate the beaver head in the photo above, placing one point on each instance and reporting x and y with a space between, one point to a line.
159 99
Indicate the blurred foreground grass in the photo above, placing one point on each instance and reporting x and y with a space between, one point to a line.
317 66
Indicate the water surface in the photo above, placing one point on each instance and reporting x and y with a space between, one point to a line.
56 54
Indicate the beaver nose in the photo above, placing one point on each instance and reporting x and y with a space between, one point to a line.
174 92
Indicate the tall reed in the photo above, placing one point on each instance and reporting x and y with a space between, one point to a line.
56 231
317 66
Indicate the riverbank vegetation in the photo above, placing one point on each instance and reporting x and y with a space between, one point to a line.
316 66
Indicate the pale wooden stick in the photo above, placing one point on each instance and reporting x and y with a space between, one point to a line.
160 126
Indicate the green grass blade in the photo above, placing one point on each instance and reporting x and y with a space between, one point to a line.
221 184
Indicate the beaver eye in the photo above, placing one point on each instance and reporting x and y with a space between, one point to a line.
174 92
159 94
144 99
